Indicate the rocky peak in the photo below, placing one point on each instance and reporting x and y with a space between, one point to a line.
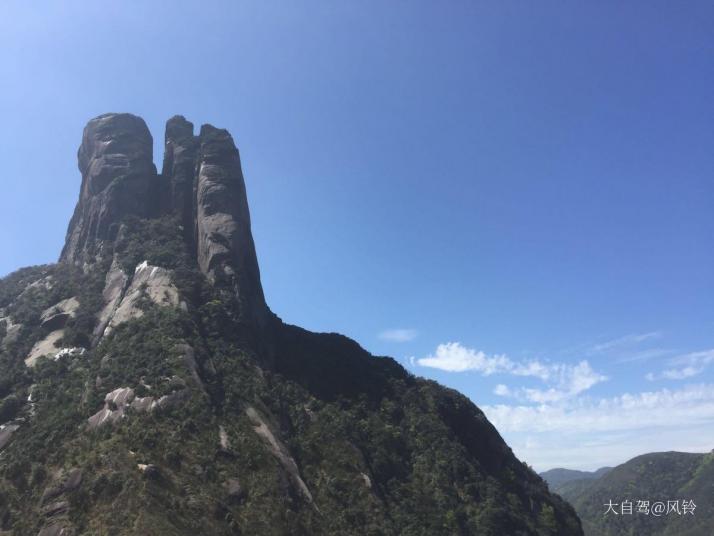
180 151
118 180
224 243
201 184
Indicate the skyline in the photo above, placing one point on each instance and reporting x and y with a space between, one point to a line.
518 207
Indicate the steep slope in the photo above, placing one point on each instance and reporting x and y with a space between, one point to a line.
147 388
657 477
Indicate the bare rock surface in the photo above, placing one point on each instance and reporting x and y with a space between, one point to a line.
56 317
115 404
6 431
224 244
118 179
115 284
201 184
150 281
279 450
46 346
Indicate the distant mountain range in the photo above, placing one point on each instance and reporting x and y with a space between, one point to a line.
647 483
556 478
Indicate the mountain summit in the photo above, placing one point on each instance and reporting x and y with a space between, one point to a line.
147 388
201 186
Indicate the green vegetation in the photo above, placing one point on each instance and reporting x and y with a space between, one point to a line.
664 476
380 451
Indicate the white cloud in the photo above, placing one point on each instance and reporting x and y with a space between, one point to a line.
453 357
566 380
685 366
585 433
502 390
645 355
690 405
399 335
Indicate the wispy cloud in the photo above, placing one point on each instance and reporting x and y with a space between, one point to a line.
625 342
566 379
399 335
645 355
684 366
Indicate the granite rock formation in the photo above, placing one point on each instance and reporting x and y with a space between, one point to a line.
146 388
201 184
118 179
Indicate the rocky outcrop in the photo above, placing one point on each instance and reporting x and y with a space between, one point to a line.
57 316
151 282
6 431
179 171
115 284
119 400
115 404
119 179
201 184
279 450
46 346
224 242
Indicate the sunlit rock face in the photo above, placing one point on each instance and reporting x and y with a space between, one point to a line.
201 185
225 249
118 179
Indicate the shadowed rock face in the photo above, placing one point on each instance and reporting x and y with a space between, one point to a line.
224 242
179 170
118 179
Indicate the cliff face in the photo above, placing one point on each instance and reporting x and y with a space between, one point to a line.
118 179
201 184
146 388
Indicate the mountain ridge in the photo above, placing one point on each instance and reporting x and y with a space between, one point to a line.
149 389
653 477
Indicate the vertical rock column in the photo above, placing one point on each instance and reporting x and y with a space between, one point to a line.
179 173
225 248
118 179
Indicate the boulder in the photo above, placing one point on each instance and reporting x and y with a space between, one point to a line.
150 471
56 317
115 404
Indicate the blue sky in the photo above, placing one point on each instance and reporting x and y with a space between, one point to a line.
513 199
